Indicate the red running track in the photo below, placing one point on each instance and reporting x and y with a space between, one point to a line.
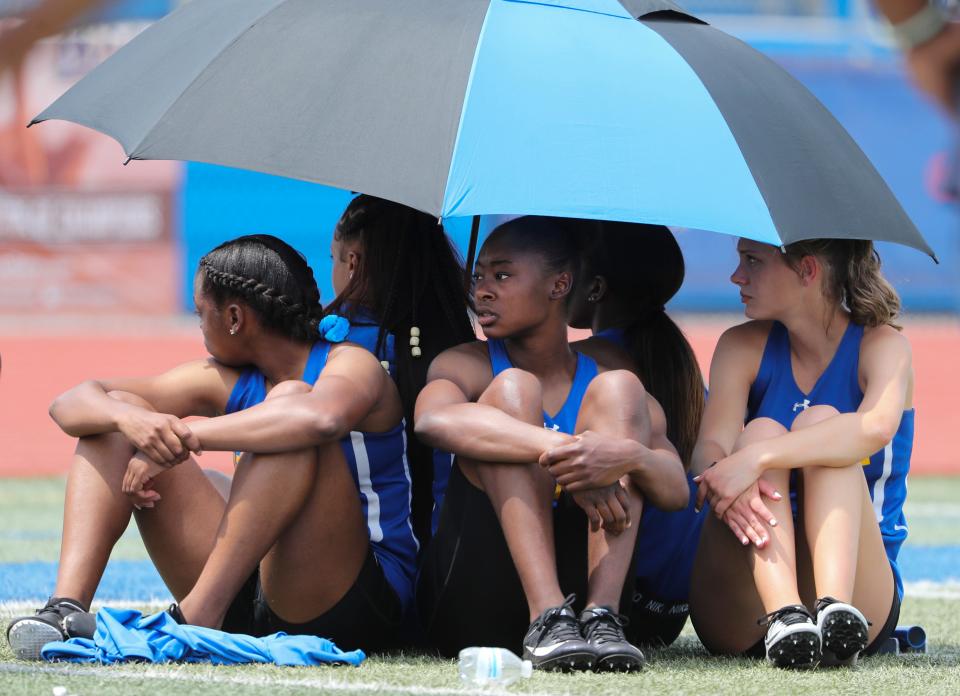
39 365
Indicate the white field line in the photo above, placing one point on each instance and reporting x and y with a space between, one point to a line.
926 589
940 510
268 682
23 608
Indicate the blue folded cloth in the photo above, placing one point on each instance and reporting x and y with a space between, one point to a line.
124 634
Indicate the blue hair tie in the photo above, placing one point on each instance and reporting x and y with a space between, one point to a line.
334 328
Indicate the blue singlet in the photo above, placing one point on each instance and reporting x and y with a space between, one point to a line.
775 394
378 464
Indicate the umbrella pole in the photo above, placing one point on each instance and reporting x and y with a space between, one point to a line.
471 251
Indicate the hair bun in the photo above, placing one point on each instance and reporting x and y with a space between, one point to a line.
334 328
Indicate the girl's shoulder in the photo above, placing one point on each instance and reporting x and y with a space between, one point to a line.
884 335
882 343
750 336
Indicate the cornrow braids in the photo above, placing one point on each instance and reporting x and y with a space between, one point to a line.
272 278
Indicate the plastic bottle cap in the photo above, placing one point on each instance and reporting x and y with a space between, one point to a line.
526 668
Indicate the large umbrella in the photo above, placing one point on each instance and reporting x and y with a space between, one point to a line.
624 110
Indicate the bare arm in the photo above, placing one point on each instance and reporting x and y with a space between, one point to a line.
198 388
149 415
347 396
931 46
885 364
658 471
448 418
593 461
897 11
732 371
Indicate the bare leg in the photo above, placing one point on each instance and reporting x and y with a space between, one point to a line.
752 581
842 536
614 404
522 494
297 515
95 514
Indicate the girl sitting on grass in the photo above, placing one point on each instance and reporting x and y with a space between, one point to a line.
313 533
812 481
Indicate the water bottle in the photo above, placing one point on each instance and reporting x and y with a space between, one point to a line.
492 666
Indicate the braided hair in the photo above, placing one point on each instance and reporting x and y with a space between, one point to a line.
272 278
408 275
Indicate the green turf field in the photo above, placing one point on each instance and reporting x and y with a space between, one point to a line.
31 513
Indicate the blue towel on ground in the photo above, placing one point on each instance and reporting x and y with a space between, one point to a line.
123 634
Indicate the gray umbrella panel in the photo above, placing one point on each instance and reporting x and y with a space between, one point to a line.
789 165
190 88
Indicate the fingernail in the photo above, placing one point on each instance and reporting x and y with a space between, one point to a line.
773 522
745 541
776 494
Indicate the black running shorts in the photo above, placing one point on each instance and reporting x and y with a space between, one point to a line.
368 616
653 622
469 592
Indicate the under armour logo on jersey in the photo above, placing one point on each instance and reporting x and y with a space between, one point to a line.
555 427
801 405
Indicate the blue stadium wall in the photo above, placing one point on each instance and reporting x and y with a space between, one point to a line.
906 139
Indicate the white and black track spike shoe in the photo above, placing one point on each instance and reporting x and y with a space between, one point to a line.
844 631
793 639
60 619
554 642
603 630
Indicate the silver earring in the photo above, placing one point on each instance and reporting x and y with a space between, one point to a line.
233 330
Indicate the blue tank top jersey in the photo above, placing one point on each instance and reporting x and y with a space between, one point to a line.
564 421
663 569
378 464
364 331
774 394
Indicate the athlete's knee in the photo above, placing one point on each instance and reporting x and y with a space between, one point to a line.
289 388
813 415
516 392
759 429
615 389
115 445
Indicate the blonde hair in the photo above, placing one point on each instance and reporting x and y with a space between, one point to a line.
852 278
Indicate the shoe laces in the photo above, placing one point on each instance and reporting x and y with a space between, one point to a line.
790 614
559 623
62 607
604 626
825 602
